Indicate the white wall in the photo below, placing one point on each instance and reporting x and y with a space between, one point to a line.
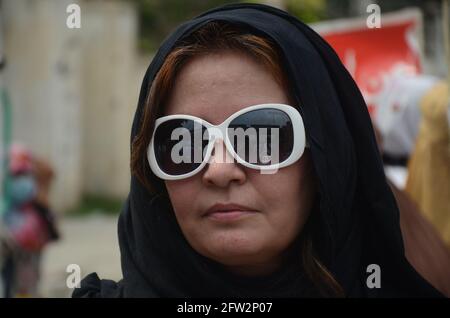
43 79
74 91
109 96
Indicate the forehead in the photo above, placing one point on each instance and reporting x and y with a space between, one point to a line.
216 85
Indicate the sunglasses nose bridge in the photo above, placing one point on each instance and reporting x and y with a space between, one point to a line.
215 133
219 150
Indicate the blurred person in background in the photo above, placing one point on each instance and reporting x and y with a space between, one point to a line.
28 220
428 180
412 129
424 247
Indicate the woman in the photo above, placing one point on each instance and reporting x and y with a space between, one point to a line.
307 224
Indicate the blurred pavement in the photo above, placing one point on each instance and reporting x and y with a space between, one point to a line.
88 241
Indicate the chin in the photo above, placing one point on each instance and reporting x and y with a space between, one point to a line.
232 249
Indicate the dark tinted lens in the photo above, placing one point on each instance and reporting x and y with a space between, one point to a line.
262 137
179 146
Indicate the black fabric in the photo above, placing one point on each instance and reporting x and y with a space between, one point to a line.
358 219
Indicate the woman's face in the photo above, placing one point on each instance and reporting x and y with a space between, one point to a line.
213 87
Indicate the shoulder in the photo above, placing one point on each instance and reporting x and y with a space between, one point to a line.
94 287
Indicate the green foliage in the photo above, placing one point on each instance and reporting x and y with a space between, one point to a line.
160 17
307 11
97 204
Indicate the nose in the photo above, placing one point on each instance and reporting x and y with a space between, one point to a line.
222 169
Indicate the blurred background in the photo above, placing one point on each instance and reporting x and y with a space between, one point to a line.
68 96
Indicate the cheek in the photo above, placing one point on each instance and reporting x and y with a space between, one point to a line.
181 193
287 195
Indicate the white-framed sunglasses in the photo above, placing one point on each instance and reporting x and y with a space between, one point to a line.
181 145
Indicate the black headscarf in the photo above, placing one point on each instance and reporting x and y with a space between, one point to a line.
357 212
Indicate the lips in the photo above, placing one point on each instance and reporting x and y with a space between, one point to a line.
228 211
